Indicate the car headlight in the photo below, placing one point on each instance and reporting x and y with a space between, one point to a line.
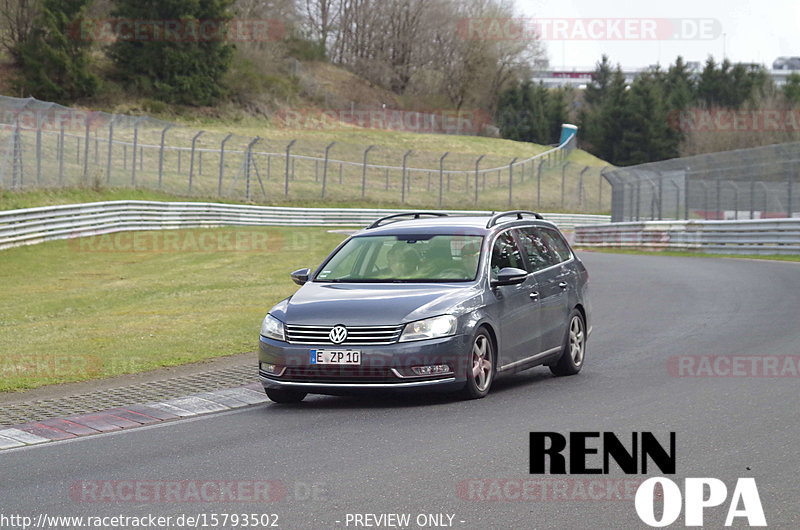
272 328
430 328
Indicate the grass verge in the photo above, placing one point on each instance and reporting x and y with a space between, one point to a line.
133 301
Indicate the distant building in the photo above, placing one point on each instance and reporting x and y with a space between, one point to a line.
786 63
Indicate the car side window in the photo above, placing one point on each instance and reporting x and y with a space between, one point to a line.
505 253
557 244
537 247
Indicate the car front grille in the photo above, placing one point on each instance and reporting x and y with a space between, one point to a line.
356 335
338 374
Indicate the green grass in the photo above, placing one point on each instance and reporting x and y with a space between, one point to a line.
96 307
687 254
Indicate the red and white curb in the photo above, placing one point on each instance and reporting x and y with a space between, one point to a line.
130 416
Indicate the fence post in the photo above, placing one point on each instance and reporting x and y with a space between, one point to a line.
364 172
563 183
61 155
160 155
248 162
191 160
539 183
221 163
110 147
789 186
135 145
86 148
288 150
685 195
477 163
441 175
324 167
38 151
403 191
660 195
510 179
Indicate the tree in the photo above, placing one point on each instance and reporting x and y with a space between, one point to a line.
645 135
791 90
187 69
55 65
557 113
17 18
604 104
729 86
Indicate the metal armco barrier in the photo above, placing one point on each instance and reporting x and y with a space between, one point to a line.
35 225
757 236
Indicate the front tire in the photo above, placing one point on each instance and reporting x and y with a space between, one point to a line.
480 368
285 395
574 350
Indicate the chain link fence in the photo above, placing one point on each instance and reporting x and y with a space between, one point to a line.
757 183
45 145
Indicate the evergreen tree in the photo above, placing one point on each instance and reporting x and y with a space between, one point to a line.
522 113
187 69
557 113
55 65
791 90
646 135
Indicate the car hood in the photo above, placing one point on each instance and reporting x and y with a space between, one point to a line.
358 304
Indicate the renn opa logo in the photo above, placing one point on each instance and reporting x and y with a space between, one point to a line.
584 456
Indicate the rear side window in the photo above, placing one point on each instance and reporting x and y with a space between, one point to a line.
506 253
557 244
540 255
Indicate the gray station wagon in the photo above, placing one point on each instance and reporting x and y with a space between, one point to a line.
432 302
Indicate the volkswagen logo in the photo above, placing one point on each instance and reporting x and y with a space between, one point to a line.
338 334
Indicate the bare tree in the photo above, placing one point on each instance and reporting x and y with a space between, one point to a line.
17 18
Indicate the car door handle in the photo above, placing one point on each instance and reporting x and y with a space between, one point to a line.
563 285
534 295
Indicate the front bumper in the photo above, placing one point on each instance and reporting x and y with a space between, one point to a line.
384 367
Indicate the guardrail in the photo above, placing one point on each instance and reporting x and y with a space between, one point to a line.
756 236
35 225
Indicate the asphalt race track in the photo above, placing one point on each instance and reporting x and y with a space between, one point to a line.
329 457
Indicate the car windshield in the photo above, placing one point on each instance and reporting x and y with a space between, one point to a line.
405 258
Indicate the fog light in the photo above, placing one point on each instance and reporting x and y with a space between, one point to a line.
271 368
433 369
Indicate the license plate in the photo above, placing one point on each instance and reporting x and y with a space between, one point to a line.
335 357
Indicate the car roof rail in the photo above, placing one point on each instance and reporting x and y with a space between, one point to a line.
519 213
415 215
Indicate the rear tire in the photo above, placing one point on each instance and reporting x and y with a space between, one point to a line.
574 350
285 395
480 368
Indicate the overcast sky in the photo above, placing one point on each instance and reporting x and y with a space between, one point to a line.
749 30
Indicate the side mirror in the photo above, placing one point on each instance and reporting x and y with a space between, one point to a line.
300 276
509 276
